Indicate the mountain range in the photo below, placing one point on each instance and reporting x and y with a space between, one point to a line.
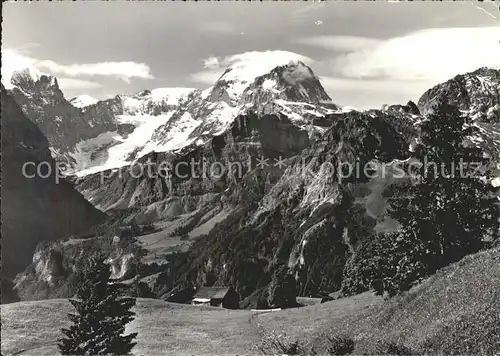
92 135
274 122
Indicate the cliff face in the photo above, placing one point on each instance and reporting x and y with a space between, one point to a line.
476 93
56 266
198 175
64 125
34 209
305 222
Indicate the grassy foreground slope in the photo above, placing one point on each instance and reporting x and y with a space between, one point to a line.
32 328
457 311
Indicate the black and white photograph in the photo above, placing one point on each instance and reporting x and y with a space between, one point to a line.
249 178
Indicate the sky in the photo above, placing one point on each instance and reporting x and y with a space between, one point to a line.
366 54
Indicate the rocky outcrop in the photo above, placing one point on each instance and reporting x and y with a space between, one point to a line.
64 125
35 206
476 93
409 108
56 265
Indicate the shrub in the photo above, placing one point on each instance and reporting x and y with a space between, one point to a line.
280 344
393 348
340 345
141 290
386 263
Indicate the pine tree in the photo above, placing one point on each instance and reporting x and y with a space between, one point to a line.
101 317
282 289
451 209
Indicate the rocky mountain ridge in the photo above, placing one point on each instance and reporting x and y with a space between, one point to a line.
89 137
476 93
272 219
306 222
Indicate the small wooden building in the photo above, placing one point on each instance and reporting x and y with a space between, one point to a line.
224 297
307 301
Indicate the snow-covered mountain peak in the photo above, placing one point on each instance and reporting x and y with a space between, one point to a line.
259 81
247 71
82 101
294 81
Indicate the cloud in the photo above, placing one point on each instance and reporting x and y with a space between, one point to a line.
211 62
373 93
213 69
121 70
367 73
248 64
16 59
340 43
206 76
72 83
13 60
430 55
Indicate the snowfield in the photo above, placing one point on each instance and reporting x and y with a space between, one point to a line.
118 153
141 102
82 101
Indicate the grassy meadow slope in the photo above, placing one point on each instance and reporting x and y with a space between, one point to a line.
32 328
457 311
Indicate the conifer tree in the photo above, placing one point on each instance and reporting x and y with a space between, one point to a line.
452 209
99 324
282 289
